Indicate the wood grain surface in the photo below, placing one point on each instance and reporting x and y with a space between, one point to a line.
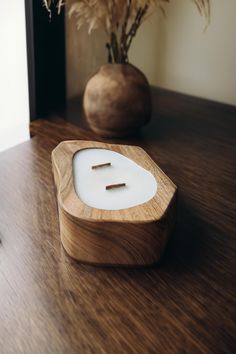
152 210
131 236
186 304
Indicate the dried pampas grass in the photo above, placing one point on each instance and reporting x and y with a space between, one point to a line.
120 19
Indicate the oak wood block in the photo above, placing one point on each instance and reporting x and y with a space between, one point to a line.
132 236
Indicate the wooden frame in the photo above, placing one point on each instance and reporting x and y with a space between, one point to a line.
133 236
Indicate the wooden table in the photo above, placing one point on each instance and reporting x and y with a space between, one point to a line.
185 304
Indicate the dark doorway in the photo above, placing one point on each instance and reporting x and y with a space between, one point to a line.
46 59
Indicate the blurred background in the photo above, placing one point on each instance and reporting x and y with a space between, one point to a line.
174 52
44 65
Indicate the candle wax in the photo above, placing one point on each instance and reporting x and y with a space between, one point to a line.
90 184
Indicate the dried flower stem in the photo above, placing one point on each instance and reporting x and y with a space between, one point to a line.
133 30
123 33
121 19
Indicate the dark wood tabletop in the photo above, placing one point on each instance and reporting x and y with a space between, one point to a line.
50 303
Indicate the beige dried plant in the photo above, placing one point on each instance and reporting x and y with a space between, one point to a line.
120 19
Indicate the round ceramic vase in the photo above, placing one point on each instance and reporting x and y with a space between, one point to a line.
117 100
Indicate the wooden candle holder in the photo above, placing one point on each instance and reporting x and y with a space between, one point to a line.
132 236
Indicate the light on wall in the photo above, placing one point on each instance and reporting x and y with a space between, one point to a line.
14 101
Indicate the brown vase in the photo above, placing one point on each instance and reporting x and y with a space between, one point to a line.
117 100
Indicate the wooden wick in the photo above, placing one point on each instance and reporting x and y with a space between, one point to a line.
101 165
118 185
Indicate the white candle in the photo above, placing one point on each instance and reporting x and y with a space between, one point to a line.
90 184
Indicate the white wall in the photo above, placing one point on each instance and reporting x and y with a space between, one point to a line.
176 54
14 103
